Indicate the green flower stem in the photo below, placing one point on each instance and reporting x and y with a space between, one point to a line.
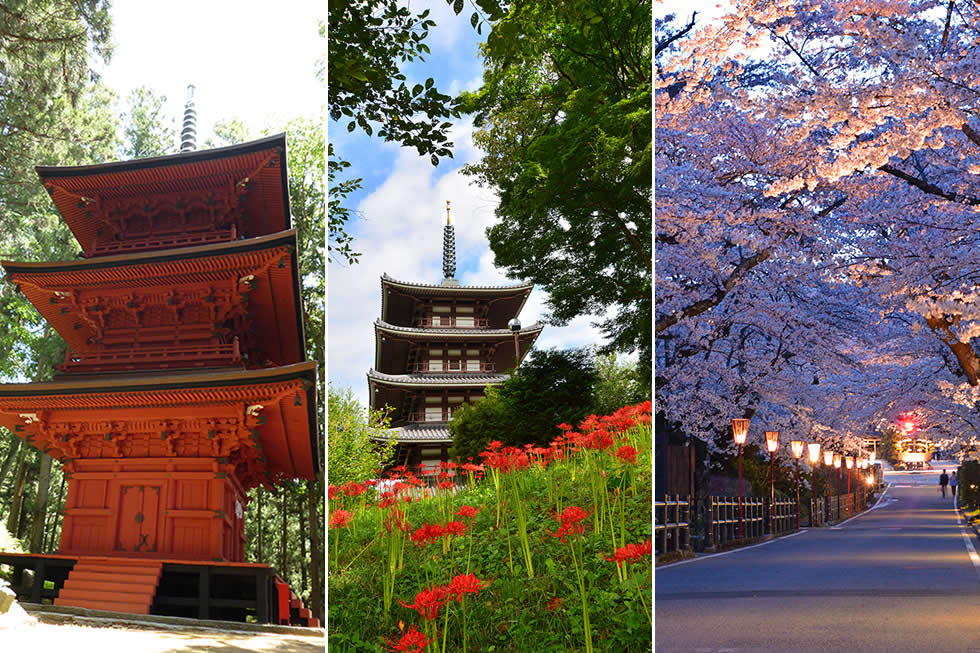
642 602
585 603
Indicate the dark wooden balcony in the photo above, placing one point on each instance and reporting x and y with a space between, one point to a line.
423 368
144 358
451 322
164 241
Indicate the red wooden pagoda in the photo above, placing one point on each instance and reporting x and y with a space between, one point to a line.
185 383
437 346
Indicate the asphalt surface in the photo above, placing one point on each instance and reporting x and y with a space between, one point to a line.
899 577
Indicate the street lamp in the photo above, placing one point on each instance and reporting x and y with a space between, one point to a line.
772 443
813 452
515 327
796 446
740 430
828 462
837 462
849 462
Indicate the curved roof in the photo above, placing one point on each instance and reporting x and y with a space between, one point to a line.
399 297
75 190
275 306
289 436
439 380
456 332
437 432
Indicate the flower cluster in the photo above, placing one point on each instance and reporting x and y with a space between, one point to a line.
432 532
632 552
571 519
340 518
428 601
412 641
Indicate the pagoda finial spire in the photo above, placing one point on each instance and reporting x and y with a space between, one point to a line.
188 134
448 247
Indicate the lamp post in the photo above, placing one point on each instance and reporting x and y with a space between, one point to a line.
813 452
837 463
515 327
796 446
772 443
828 462
740 429
849 463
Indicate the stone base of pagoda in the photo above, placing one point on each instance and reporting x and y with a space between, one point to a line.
198 590
174 508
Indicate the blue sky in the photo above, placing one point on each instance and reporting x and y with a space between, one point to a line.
401 212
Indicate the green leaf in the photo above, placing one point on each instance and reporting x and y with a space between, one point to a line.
457 6
474 19
352 125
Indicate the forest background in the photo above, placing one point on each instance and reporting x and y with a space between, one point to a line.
58 109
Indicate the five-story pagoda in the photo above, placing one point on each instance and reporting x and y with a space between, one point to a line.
437 346
186 381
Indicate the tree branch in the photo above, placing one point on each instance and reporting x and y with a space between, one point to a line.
931 189
663 45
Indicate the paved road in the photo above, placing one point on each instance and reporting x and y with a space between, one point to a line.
899 577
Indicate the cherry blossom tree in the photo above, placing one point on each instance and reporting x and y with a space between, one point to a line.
817 194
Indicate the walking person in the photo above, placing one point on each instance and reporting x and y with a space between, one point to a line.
943 482
952 487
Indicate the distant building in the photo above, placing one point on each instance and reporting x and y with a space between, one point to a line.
437 346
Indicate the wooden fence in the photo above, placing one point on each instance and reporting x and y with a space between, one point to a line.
715 522
672 529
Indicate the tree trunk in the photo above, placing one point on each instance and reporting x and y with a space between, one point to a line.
261 555
302 543
316 580
17 498
283 559
41 505
8 462
50 533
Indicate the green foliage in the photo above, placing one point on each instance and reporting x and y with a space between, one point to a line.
367 44
340 241
147 131
353 455
565 118
550 387
617 383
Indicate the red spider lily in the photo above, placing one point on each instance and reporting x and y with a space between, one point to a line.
468 511
632 552
426 533
388 499
468 584
570 519
412 641
428 601
445 485
332 491
494 445
454 528
565 427
626 453
553 603
371 482
340 518
469 467
353 489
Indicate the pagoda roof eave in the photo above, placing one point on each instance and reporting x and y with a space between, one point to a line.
389 280
172 389
436 380
180 158
168 380
437 433
287 237
457 332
